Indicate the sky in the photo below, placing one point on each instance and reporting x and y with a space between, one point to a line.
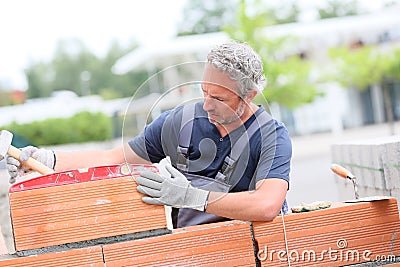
30 29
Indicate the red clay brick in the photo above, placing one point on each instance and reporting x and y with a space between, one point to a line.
91 256
218 244
81 211
362 227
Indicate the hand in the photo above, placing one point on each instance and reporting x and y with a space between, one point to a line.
175 191
15 168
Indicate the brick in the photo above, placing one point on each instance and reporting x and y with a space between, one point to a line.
90 257
81 211
218 244
361 227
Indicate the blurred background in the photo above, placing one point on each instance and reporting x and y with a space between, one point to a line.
70 71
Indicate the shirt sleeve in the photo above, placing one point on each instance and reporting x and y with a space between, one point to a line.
148 144
276 156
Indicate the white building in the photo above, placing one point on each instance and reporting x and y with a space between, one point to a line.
62 104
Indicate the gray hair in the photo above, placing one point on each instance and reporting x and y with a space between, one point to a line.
241 63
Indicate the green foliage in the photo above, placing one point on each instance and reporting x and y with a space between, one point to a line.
82 127
212 16
71 60
39 77
206 16
336 8
109 93
5 98
393 69
288 82
353 66
287 76
361 67
368 65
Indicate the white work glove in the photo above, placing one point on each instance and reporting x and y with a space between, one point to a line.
15 168
175 191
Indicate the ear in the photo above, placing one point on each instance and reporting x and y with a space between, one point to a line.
250 96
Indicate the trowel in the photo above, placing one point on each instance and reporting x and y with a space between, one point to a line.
346 174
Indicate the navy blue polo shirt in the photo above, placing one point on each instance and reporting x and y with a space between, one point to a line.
268 154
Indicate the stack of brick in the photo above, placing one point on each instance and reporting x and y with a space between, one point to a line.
374 162
329 237
98 203
344 234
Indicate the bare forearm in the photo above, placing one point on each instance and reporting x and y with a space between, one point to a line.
241 206
263 204
81 159
85 159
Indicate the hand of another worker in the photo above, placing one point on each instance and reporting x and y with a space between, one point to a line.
175 191
15 168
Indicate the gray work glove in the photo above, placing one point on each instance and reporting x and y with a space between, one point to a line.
175 191
15 168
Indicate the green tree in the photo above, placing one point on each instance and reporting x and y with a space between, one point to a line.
212 16
207 16
336 8
5 98
74 67
288 76
39 77
368 65
72 58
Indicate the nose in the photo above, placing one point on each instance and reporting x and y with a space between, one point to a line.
208 104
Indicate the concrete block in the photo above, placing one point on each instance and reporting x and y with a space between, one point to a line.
365 191
376 165
336 153
345 188
391 164
396 193
355 157
366 164
344 229
346 156
375 162
361 157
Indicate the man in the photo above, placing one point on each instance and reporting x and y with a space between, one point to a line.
229 158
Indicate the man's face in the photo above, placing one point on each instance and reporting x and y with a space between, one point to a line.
221 99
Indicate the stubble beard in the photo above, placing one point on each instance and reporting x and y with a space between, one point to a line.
237 115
